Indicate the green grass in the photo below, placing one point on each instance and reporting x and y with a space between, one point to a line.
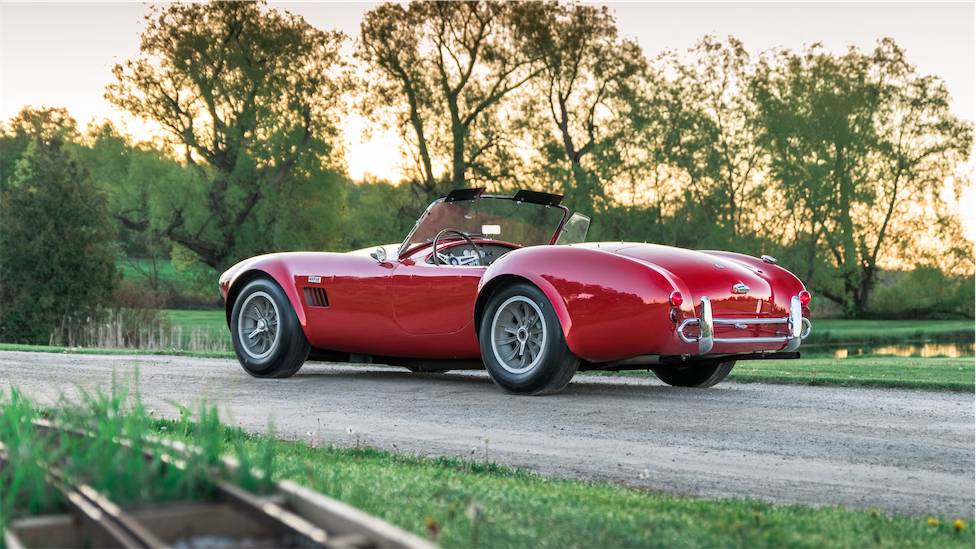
889 372
198 320
952 374
167 272
838 332
470 503
98 351
99 458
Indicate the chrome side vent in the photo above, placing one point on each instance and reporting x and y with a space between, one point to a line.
316 297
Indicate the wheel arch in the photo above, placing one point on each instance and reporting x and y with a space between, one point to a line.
504 280
273 274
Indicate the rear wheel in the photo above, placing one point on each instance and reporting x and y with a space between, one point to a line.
522 343
695 376
268 339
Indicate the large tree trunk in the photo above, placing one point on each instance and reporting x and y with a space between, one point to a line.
848 264
460 132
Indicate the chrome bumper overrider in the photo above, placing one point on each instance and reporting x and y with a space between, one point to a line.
798 328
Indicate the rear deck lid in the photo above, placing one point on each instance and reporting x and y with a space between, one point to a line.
734 289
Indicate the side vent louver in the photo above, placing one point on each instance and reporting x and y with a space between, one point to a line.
315 297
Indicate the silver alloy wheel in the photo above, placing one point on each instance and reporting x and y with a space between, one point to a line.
518 334
257 326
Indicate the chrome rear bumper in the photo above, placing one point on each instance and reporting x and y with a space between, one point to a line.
798 328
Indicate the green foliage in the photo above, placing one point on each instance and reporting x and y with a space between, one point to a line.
860 146
378 213
439 72
926 292
588 73
249 95
58 265
142 184
29 124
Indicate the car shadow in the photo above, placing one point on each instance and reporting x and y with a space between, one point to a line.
581 386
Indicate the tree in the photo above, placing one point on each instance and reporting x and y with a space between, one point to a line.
442 70
58 264
250 96
857 144
718 148
29 124
587 72
139 182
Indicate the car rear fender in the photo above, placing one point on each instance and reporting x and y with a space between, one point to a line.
610 306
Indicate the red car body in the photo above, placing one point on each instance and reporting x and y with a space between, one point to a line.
617 302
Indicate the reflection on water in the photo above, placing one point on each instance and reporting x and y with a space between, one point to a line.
923 350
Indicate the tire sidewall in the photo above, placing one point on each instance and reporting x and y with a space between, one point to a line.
549 367
288 328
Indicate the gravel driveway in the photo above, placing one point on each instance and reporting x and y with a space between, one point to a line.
904 451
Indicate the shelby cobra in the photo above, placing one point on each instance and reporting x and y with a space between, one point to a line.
506 283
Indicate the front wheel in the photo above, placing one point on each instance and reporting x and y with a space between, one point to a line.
695 376
522 343
268 340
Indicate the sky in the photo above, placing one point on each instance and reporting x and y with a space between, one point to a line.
60 54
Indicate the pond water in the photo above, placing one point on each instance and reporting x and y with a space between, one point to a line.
923 350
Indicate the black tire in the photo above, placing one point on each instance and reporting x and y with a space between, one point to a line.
285 353
547 363
695 376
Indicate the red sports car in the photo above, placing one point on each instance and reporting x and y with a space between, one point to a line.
506 283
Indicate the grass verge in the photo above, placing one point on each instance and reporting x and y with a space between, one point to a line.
210 320
938 373
99 351
473 503
882 371
844 332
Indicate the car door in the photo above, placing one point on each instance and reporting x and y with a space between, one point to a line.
434 299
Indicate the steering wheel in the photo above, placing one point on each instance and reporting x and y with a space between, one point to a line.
477 250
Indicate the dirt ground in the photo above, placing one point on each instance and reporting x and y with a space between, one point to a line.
905 451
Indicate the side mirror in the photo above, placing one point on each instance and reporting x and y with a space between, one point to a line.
379 254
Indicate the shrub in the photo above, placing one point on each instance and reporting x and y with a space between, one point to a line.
925 292
58 266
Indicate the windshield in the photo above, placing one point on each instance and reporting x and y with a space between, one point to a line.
487 218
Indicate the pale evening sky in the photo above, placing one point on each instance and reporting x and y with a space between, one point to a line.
61 54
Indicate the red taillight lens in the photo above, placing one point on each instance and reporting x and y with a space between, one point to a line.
804 298
676 299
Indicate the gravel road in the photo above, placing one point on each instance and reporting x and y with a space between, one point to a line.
905 451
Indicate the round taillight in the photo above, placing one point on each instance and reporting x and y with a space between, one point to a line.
676 299
804 298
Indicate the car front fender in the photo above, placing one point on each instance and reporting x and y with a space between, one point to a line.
279 267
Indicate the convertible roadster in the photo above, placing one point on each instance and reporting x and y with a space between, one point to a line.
506 283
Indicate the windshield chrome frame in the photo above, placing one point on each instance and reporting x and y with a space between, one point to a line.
401 252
